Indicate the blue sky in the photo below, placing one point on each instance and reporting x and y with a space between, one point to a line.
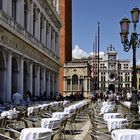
86 15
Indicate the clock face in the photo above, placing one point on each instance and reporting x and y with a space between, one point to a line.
112 58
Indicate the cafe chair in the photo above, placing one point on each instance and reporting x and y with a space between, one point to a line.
98 135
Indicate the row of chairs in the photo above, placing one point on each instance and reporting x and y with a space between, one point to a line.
98 129
11 129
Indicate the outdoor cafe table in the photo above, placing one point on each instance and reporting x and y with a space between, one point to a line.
116 123
125 134
60 115
51 123
107 116
35 133
106 108
11 114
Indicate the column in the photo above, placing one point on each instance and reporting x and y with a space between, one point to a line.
5 6
44 37
48 84
53 82
8 85
31 78
38 81
18 11
71 85
56 83
44 80
9 7
21 68
37 34
78 83
22 12
53 41
31 18
49 36
64 83
57 6
58 45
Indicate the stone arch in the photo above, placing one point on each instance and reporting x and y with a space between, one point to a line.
111 87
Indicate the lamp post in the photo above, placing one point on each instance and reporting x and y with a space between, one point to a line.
133 43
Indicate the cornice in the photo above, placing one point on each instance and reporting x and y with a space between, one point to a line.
50 10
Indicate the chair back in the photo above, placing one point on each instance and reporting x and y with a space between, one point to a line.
45 136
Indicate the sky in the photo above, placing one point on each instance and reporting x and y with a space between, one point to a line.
85 17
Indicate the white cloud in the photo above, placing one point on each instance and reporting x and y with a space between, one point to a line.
77 52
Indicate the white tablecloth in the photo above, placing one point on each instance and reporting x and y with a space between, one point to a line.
35 133
125 134
107 116
106 108
11 114
127 103
116 123
59 115
33 109
51 123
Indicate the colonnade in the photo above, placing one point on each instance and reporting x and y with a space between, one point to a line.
20 74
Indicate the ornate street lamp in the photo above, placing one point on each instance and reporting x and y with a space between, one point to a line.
133 43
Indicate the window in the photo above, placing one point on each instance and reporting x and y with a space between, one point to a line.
14 9
34 21
47 32
25 13
41 27
68 84
81 84
0 4
75 82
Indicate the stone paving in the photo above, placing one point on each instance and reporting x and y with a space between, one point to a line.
82 127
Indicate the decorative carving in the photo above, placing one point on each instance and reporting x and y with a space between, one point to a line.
15 44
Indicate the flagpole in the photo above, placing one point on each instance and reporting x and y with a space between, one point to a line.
98 50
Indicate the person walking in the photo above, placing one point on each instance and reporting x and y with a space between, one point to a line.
17 99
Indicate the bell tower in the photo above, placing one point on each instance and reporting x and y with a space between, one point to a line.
65 13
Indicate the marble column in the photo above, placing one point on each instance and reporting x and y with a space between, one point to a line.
31 77
38 81
22 12
31 18
49 37
18 12
38 25
48 84
21 77
8 75
44 80
44 37
9 7
5 6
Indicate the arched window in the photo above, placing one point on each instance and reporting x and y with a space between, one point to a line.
25 13
34 21
68 84
41 27
75 82
14 8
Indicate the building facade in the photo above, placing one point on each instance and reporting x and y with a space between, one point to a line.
65 37
114 74
29 42
77 77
